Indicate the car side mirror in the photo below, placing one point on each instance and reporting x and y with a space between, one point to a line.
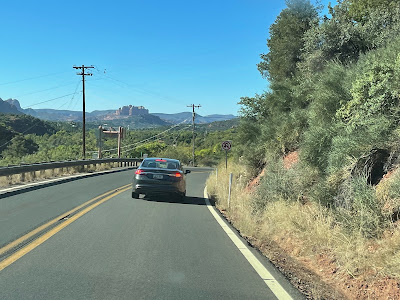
187 171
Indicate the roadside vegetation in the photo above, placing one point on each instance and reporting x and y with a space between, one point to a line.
25 139
333 105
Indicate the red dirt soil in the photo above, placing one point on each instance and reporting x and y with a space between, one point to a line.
291 159
255 182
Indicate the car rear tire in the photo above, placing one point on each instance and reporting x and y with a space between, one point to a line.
182 197
135 195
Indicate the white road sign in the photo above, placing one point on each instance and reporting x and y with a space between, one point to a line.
226 145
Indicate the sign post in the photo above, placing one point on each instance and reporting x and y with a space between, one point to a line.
99 135
226 146
119 134
230 189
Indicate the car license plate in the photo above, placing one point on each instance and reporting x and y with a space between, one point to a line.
156 176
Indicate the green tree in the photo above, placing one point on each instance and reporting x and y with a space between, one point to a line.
360 10
286 40
20 147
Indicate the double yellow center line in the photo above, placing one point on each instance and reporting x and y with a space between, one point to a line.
88 206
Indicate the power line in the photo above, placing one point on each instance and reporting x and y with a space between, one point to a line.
73 96
50 100
142 144
37 121
161 133
31 78
5 144
45 90
166 135
145 140
138 89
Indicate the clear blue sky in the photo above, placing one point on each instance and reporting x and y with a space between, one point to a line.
160 54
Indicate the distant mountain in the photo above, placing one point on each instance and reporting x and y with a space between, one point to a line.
216 118
175 118
15 103
180 117
139 121
97 113
66 115
9 107
219 125
120 116
54 114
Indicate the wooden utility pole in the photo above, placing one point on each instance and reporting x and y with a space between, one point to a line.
119 141
83 74
193 117
100 143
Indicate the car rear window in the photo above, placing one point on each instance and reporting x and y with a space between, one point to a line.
162 164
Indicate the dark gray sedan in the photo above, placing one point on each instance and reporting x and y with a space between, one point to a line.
159 176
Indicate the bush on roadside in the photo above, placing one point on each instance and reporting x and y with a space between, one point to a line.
358 209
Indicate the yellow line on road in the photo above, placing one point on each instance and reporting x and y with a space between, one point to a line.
40 240
44 226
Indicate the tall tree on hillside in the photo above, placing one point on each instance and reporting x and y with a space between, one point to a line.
342 38
286 40
360 10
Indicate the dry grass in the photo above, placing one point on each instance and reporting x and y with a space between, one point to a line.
7 181
311 234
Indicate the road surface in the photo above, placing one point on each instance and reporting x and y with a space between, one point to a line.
123 248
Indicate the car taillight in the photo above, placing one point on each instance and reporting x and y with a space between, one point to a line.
177 174
139 172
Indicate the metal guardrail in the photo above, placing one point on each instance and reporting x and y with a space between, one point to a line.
12 170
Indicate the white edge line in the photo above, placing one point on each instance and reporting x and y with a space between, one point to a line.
28 185
262 271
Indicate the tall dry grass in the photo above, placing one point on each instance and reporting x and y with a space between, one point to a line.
308 229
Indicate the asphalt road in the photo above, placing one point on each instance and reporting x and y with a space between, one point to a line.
125 248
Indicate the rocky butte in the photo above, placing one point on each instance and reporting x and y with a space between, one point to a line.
127 111
131 111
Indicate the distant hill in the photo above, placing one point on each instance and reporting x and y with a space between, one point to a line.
54 114
25 124
12 106
12 125
97 113
180 117
219 125
7 107
134 122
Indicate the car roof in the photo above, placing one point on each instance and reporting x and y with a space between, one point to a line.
167 159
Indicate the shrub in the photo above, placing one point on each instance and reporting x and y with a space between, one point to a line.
288 185
360 211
